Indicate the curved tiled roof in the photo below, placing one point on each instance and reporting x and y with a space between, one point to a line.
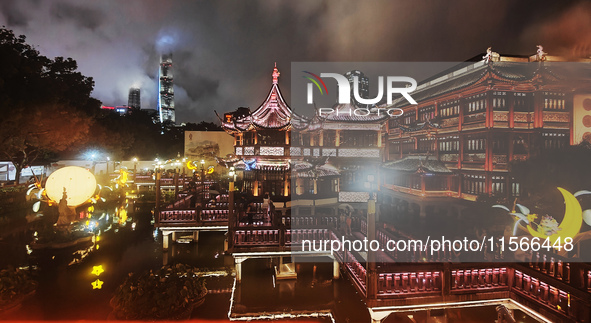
273 113
414 164
507 71
304 169
346 113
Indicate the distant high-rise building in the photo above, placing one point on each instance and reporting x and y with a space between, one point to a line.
133 100
165 90
363 84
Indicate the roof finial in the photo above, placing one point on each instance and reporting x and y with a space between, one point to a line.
541 54
275 74
488 57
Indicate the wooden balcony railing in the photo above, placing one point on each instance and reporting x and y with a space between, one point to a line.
310 221
256 238
357 272
478 278
178 216
214 215
406 283
182 203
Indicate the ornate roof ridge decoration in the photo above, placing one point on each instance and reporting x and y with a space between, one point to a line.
227 161
255 164
300 122
240 121
508 71
452 84
274 113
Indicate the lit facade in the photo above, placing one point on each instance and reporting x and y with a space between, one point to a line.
166 90
351 143
471 123
133 100
261 142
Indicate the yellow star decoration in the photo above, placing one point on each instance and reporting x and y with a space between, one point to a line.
97 284
97 270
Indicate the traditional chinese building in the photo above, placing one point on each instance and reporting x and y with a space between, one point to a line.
261 141
350 143
473 121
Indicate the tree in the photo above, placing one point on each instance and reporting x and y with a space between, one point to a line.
46 104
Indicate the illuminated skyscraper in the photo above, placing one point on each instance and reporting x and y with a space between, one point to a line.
133 100
165 90
363 84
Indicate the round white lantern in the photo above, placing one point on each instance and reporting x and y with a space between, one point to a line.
79 184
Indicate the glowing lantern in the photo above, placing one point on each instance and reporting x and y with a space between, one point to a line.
122 215
122 179
78 183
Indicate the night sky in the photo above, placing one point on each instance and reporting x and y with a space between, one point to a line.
224 50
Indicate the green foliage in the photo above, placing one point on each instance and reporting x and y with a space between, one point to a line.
47 110
167 293
12 200
15 284
46 104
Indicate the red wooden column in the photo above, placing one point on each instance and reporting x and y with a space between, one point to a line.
489 122
461 152
511 102
461 116
538 109
489 162
423 184
569 107
511 148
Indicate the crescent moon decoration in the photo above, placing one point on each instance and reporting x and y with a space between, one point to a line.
191 165
587 216
570 225
519 217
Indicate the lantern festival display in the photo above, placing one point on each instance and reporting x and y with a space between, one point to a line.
78 183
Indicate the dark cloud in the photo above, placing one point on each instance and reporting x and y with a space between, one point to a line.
13 14
89 18
224 51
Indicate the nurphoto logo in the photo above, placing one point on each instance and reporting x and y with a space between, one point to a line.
344 88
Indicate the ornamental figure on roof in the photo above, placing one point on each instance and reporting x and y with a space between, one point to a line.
491 56
541 55
275 74
487 58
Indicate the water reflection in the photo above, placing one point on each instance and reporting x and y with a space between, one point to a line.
124 241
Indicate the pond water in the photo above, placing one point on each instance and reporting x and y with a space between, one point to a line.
65 290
